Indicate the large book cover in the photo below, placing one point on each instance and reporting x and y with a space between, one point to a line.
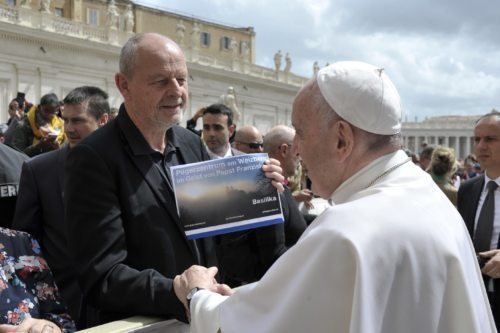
225 195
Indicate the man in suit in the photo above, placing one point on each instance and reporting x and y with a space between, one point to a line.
120 206
11 162
472 196
278 238
245 256
218 128
278 144
40 209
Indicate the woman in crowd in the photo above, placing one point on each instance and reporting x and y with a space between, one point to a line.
29 300
443 166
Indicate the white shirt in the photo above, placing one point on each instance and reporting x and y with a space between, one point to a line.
387 258
214 156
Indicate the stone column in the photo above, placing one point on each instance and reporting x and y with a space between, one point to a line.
46 21
77 10
471 144
414 144
195 41
467 145
25 16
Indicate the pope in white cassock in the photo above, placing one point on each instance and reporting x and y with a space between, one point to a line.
391 254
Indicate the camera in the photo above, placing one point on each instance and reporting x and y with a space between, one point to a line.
52 137
20 98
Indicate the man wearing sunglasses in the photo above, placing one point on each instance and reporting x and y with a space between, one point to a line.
248 140
245 256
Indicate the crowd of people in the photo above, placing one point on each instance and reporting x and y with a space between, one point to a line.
408 243
446 170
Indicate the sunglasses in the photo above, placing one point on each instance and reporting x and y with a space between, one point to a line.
253 145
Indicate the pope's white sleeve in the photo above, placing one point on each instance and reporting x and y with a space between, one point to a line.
205 312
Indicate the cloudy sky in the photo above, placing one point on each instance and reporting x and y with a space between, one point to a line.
444 56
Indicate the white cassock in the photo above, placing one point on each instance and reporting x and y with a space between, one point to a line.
391 257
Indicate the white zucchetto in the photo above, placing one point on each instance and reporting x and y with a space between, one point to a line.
363 95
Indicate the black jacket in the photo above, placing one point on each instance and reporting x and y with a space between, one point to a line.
123 222
11 162
245 256
469 193
40 212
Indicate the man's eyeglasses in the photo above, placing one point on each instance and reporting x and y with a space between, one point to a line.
253 145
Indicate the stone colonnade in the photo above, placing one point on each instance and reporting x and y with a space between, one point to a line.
463 145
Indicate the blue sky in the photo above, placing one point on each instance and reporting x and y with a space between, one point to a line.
443 56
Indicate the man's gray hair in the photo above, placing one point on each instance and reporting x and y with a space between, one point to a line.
127 55
277 136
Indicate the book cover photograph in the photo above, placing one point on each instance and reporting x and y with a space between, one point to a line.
225 195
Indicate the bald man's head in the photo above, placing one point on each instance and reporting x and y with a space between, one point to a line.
248 139
143 42
278 144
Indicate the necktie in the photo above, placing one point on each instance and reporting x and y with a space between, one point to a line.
484 229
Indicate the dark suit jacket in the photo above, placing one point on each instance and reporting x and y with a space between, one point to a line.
40 212
245 256
123 224
469 193
11 162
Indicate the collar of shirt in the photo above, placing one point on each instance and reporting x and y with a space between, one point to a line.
361 179
136 140
214 156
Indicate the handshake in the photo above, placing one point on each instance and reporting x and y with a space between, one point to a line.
198 278
482 261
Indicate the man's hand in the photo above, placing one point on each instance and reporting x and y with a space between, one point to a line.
492 267
273 171
49 143
32 325
201 277
304 196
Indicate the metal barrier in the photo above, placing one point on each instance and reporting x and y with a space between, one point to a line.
139 324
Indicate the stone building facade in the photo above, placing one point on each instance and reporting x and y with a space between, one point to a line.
57 45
